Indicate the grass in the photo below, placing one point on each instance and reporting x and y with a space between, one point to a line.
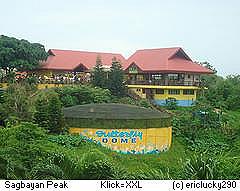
169 163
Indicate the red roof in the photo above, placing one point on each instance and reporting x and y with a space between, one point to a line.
69 60
165 60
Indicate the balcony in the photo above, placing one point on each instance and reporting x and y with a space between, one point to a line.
164 82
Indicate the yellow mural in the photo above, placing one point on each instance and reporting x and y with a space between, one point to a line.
136 141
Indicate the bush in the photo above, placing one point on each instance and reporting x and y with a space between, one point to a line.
19 144
171 103
68 140
201 167
77 95
16 102
98 170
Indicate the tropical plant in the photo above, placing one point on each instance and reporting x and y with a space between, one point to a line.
202 167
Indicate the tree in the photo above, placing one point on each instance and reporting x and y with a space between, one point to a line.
116 79
208 66
99 77
16 102
49 112
20 54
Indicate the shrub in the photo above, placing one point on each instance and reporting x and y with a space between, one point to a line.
68 140
202 167
97 170
77 95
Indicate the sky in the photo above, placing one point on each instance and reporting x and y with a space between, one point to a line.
208 30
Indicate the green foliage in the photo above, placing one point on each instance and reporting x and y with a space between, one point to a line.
99 76
19 144
67 140
150 174
202 167
116 79
230 167
20 54
17 103
128 100
171 103
201 127
208 66
10 170
98 170
49 112
221 93
1 96
78 95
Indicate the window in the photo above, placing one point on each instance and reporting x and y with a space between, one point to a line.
189 76
156 76
133 70
139 77
143 90
174 92
173 76
159 91
188 92
138 90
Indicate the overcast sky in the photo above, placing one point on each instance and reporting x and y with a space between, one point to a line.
208 30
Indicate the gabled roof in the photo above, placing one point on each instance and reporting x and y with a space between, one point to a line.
69 60
165 60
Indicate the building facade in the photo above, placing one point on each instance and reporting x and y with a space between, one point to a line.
161 75
164 75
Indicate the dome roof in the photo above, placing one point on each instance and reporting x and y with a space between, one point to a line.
112 111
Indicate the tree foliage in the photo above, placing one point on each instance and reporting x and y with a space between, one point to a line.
49 112
116 79
208 66
20 54
77 95
99 76
17 103
222 92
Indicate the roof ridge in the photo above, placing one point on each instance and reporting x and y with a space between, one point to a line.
85 51
159 48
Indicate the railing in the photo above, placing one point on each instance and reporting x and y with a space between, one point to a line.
164 82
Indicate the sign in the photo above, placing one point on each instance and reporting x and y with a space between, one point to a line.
119 136
135 141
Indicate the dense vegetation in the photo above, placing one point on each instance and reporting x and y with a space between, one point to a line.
35 144
206 142
20 55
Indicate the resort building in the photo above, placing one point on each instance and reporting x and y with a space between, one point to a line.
67 66
164 74
161 75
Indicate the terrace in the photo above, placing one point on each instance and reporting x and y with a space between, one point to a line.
164 79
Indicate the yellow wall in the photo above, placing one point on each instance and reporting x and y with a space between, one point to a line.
39 86
44 86
165 95
152 140
164 87
178 97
